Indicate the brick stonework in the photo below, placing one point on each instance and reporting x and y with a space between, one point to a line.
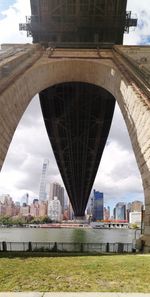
111 70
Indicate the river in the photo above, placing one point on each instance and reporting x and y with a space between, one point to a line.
85 235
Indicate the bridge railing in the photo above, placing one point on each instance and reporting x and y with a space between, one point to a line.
67 247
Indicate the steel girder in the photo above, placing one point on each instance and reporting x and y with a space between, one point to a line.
77 118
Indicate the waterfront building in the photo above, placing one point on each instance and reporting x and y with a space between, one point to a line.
25 199
17 208
136 206
34 209
2 209
8 207
43 208
35 200
120 211
43 181
66 215
128 210
97 213
135 218
114 213
89 206
10 210
2 198
129 206
17 204
107 213
25 211
54 210
56 190
6 199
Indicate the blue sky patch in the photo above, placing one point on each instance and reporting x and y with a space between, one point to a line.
4 5
141 24
145 40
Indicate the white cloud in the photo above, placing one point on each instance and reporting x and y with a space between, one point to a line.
118 174
9 26
24 160
141 11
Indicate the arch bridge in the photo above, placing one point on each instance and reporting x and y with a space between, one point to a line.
78 89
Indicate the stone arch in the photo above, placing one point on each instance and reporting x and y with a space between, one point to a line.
104 73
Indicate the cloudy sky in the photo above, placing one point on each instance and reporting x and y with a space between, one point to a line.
118 176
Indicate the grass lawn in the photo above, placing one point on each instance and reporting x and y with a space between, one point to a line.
116 273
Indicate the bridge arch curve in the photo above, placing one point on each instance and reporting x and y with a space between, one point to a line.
45 73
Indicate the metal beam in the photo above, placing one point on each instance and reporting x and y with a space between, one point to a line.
77 117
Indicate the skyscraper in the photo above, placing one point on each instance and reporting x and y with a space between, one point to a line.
42 192
120 211
136 206
106 213
97 212
56 190
54 210
25 199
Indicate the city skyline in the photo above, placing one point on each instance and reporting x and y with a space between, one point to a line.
25 199
118 176
96 207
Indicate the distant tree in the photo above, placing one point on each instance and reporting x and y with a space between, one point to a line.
134 226
46 219
6 220
29 218
20 221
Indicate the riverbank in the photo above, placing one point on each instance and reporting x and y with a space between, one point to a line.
53 226
63 247
118 273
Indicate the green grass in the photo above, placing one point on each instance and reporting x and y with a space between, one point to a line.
116 273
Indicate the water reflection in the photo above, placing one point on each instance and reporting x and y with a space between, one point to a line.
78 235
67 235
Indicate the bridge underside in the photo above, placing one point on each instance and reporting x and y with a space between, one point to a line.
77 118
78 23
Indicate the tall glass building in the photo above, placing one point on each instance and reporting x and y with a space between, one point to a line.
120 211
42 192
98 206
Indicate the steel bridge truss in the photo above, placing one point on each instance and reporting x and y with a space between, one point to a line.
77 118
78 23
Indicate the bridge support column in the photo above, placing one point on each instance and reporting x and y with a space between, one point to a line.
135 107
145 173
146 236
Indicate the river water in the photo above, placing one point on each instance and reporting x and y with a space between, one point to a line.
84 235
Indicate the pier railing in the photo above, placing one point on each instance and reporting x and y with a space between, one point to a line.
68 247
